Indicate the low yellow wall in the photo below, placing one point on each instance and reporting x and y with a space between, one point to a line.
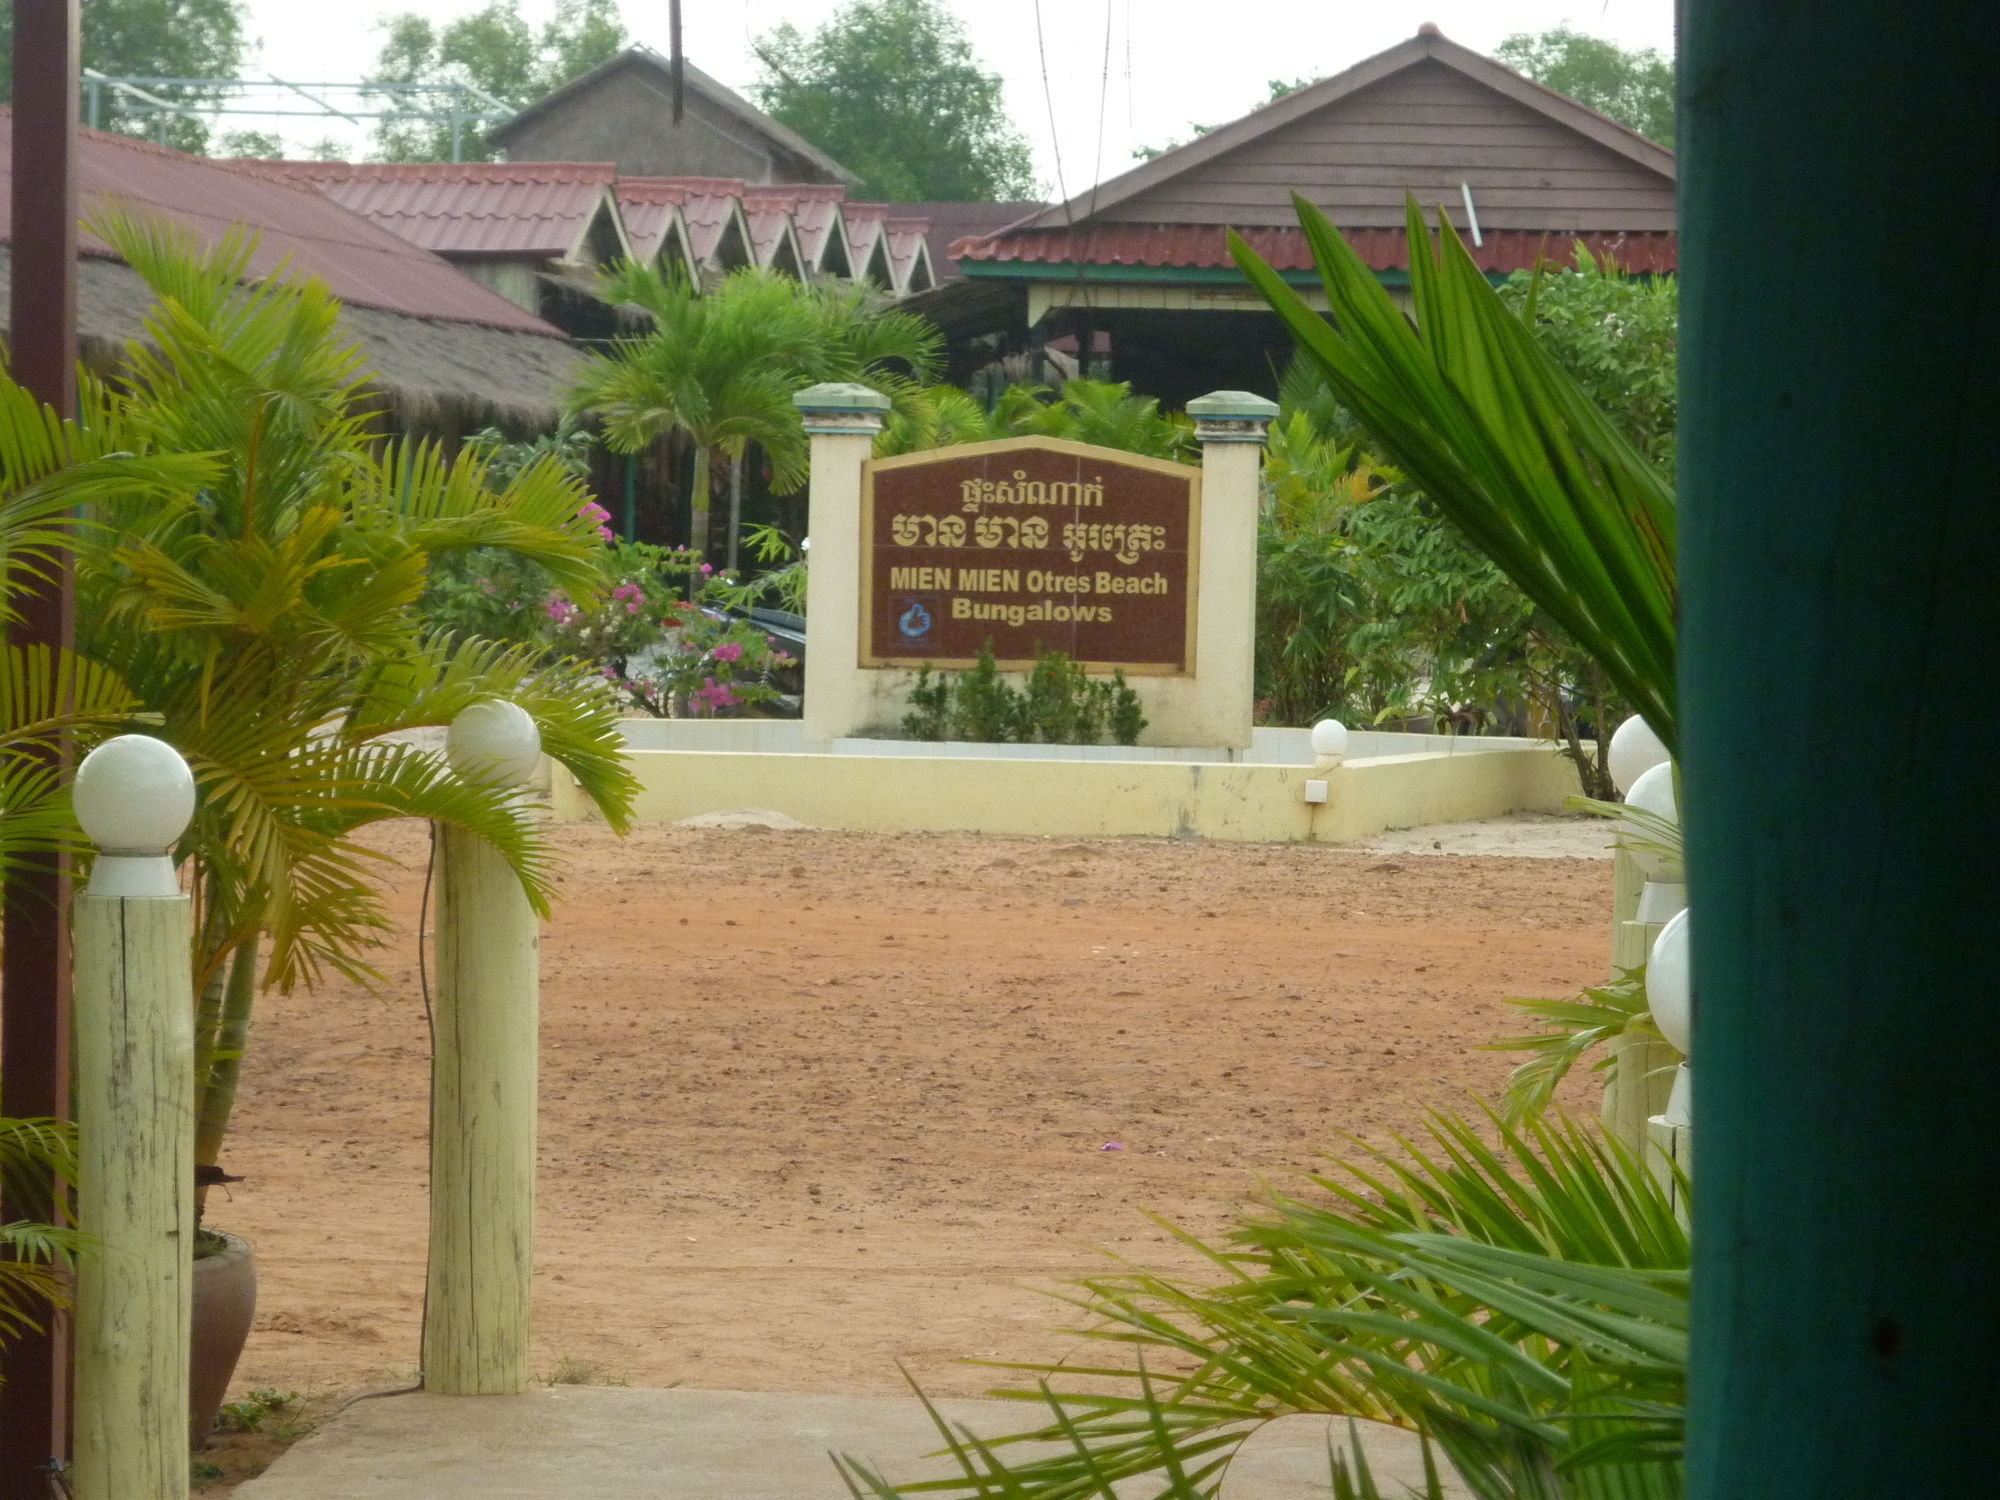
1251 803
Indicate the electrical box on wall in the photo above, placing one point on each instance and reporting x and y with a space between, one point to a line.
1315 791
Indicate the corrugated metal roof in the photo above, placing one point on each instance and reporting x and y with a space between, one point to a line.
531 209
1204 246
362 262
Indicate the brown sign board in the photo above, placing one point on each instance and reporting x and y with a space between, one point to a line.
1029 545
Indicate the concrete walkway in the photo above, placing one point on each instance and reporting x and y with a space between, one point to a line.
572 1442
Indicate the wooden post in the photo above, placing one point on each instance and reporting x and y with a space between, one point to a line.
135 1196
477 1319
1641 1073
134 1012
1840 371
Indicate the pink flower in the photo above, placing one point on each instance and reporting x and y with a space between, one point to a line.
604 534
706 569
712 695
631 609
729 651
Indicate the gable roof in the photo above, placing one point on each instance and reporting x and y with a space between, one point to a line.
909 254
724 98
815 209
708 206
535 209
653 223
1123 197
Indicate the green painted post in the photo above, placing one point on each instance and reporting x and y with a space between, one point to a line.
1841 442
631 497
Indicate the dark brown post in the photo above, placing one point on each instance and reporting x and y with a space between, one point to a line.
34 961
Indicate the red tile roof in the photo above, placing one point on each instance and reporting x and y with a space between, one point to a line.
864 223
531 208
770 224
951 222
651 220
906 247
707 204
815 211
363 263
1205 246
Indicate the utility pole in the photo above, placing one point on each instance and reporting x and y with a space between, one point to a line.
34 951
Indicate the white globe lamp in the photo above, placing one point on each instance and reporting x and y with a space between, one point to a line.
134 798
1634 750
1652 792
1329 739
1669 993
494 741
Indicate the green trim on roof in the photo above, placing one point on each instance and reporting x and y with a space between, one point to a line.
1041 270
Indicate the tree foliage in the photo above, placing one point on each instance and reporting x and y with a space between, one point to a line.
891 90
151 38
494 49
1635 88
722 366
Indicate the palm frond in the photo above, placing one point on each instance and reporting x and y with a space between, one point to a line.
1523 1306
1478 415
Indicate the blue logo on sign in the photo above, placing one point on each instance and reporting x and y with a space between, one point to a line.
916 621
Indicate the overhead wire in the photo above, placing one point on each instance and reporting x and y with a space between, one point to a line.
1055 148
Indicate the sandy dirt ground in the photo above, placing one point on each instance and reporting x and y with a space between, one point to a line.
815 1102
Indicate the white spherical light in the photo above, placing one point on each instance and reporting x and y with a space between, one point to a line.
1329 739
494 741
1634 750
1669 992
1653 793
134 795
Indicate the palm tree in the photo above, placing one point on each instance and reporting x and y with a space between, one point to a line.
258 605
722 367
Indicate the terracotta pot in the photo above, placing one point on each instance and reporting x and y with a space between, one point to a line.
225 1300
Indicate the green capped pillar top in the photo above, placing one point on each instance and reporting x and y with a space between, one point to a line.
1231 416
842 408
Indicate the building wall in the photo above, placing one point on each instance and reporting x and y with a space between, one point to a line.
1426 130
627 118
513 279
1095 797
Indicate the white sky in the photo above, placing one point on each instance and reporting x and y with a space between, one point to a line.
1169 61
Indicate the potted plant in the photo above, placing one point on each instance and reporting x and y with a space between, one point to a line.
260 605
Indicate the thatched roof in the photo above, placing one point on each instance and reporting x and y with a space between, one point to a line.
429 374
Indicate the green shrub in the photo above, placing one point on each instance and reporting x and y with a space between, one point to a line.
1061 705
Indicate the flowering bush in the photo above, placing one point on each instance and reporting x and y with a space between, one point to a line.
671 657
707 662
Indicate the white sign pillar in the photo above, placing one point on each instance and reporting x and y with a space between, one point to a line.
1231 426
841 421
134 1022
